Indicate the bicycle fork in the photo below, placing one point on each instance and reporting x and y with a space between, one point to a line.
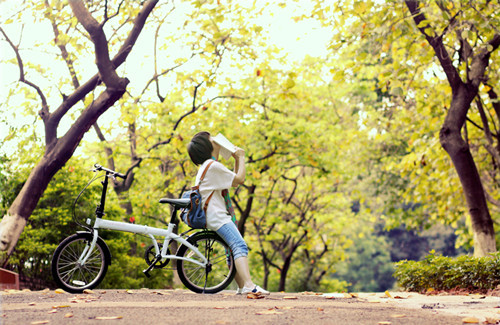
87 251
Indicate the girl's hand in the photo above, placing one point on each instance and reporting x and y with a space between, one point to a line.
239 153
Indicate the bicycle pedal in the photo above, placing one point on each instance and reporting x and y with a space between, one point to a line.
146 273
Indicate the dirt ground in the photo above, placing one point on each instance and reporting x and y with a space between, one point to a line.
148 306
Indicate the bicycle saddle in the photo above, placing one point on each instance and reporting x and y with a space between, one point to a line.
180 203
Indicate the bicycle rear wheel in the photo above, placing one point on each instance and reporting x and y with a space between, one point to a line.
219 272
71 275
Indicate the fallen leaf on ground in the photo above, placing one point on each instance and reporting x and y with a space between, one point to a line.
59 291
12 291
60 306
399 297
285 307
129 291
31 304
354 295
388 294
40 322
490 320
68 315
384 323
470 320
290 297
398 316
108 317
271 311
53 311
320 309
161 293
335 295
88 291
257 295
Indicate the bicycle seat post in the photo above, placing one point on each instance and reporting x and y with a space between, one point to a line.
173 214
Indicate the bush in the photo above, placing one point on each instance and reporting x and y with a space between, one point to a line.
444 273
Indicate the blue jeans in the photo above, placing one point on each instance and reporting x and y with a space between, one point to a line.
233 238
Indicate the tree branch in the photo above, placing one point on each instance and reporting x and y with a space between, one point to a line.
106 18
103 61
481 60
192 111
44 112
437 44
119 58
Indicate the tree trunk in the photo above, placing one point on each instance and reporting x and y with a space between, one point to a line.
459 152
284 272
463 93
13 223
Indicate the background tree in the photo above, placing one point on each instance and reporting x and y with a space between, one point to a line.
464 89
409 92
59 149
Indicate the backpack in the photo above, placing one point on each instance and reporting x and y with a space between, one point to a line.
195 215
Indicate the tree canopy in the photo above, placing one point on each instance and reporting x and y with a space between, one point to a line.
392 123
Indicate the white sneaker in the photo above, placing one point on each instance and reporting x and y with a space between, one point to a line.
239 291
256 289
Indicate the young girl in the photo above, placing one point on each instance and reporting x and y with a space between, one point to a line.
202 149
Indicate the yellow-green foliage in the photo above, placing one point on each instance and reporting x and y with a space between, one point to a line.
444 273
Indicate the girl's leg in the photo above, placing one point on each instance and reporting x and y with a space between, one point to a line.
233 238
243 273
239 280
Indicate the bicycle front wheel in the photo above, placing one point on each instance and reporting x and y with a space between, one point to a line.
74 276
219 272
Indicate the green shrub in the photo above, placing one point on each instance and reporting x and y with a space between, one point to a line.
445 273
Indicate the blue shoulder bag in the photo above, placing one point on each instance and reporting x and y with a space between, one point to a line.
195 215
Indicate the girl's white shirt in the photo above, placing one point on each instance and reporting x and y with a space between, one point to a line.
217 178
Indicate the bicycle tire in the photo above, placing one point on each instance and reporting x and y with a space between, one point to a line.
221 270
75 278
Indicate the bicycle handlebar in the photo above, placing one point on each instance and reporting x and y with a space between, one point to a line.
98 167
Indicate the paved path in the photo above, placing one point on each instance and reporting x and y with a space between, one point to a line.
148 306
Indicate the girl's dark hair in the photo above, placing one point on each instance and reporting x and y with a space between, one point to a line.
200 148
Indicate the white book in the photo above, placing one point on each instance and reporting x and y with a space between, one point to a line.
226 147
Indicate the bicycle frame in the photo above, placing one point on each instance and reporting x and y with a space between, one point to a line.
168 234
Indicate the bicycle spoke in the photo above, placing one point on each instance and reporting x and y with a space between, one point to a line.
69 274
75 276
219 271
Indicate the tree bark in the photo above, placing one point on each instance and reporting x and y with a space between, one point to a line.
59 150
463 93
459 152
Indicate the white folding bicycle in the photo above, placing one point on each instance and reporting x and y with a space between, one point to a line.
204 261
